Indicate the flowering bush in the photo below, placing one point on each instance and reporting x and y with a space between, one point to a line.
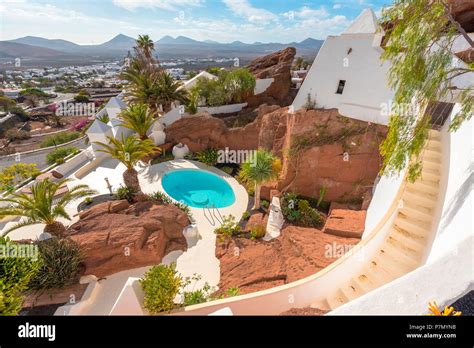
79 125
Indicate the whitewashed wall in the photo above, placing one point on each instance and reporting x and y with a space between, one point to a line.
456 218
262 85
366 85
224 109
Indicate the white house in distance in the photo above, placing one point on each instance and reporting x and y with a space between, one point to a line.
348 74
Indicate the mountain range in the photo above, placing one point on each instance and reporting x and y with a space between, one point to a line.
167 48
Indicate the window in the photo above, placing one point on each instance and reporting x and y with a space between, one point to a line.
340 87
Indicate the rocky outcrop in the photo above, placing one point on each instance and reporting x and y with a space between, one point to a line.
297 253
203 131
463 12
467 55
116 236
321 148
277 66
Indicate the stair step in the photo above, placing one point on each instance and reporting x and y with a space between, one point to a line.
365 283
430 174
416 214
337 299
397 264
434 144
393 265
408 236
416 198
434 134
431 163
412 225
352 290
322 304
432 154
424 224
375 277
424 186
399 252
422 209
379 269
410 247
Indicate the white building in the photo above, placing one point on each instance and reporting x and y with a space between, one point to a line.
348 74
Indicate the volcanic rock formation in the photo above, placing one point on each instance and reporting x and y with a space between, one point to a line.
116 236
277 66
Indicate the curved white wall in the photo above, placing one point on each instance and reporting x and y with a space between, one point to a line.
456 218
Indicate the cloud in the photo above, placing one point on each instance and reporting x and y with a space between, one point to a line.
337 6
243 8
170 5
306 12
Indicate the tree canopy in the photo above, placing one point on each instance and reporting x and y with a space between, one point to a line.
419 43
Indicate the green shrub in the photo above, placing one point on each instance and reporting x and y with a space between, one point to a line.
60 263
234 291
229 228
299 211
16 134
124 192
17 173
161 284
15 275
58 155
229 87
60 138
160 197
257 231
309 216
289 207
246 215
228 170
264 203
208 156
197 296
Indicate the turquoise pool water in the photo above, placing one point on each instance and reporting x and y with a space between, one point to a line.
198 188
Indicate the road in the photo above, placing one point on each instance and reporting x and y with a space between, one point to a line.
38 158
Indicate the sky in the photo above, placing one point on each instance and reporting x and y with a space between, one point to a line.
94 22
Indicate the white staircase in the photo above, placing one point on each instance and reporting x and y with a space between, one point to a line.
405 245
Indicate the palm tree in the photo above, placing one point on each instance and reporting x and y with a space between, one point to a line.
41 207
145 45
263 168
129 151
143 85
137 118
170 91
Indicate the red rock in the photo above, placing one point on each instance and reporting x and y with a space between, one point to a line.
318 164
466 55
255 220
277 66
130 237
346 223
463 12
297 253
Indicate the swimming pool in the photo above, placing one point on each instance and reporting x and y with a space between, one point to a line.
198 188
